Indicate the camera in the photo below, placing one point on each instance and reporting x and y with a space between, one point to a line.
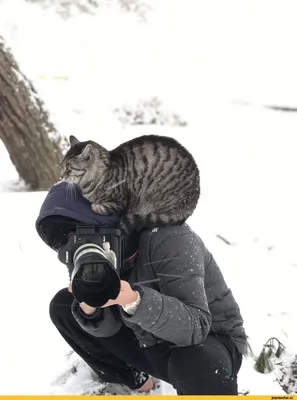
93 256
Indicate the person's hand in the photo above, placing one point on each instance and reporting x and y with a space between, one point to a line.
85 307
127 295
149 385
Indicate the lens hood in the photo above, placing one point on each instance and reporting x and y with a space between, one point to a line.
95 292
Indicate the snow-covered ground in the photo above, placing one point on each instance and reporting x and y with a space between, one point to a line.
198 62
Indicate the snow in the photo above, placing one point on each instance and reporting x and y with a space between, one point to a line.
202 60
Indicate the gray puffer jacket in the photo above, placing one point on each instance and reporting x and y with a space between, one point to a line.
184 296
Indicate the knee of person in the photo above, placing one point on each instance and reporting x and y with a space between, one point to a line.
202 369
209 356
182 356
60 305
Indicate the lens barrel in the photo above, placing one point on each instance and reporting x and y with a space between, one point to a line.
94 278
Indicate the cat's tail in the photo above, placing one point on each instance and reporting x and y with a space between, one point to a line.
138 222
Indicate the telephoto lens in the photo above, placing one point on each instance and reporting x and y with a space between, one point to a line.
92 273
94 277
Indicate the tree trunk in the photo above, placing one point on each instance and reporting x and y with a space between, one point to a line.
34 146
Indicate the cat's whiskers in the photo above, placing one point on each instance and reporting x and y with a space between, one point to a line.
70 191
116 184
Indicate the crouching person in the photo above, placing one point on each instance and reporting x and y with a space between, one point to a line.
174 319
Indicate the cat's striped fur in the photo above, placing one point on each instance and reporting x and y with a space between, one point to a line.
151 181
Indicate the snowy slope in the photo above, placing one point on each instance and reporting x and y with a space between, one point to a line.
86 67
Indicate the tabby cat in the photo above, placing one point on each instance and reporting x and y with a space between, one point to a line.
150 181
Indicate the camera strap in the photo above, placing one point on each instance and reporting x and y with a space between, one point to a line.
133 255
130 262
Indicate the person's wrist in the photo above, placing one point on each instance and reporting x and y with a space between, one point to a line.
131 299
88 310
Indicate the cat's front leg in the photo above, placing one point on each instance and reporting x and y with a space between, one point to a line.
99 209
107 208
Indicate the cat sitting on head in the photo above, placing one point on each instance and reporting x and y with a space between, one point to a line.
150 181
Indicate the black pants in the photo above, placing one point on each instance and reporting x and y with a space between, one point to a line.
209 368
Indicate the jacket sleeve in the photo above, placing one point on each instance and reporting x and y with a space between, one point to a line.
179 313
104 322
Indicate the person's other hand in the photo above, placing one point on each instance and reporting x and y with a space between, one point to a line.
85 307
127 295
149 385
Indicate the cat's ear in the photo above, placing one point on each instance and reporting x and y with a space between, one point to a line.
87 151
73 140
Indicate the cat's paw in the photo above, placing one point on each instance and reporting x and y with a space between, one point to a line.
123 226
99 209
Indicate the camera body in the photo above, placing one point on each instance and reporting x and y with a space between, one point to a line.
94 256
